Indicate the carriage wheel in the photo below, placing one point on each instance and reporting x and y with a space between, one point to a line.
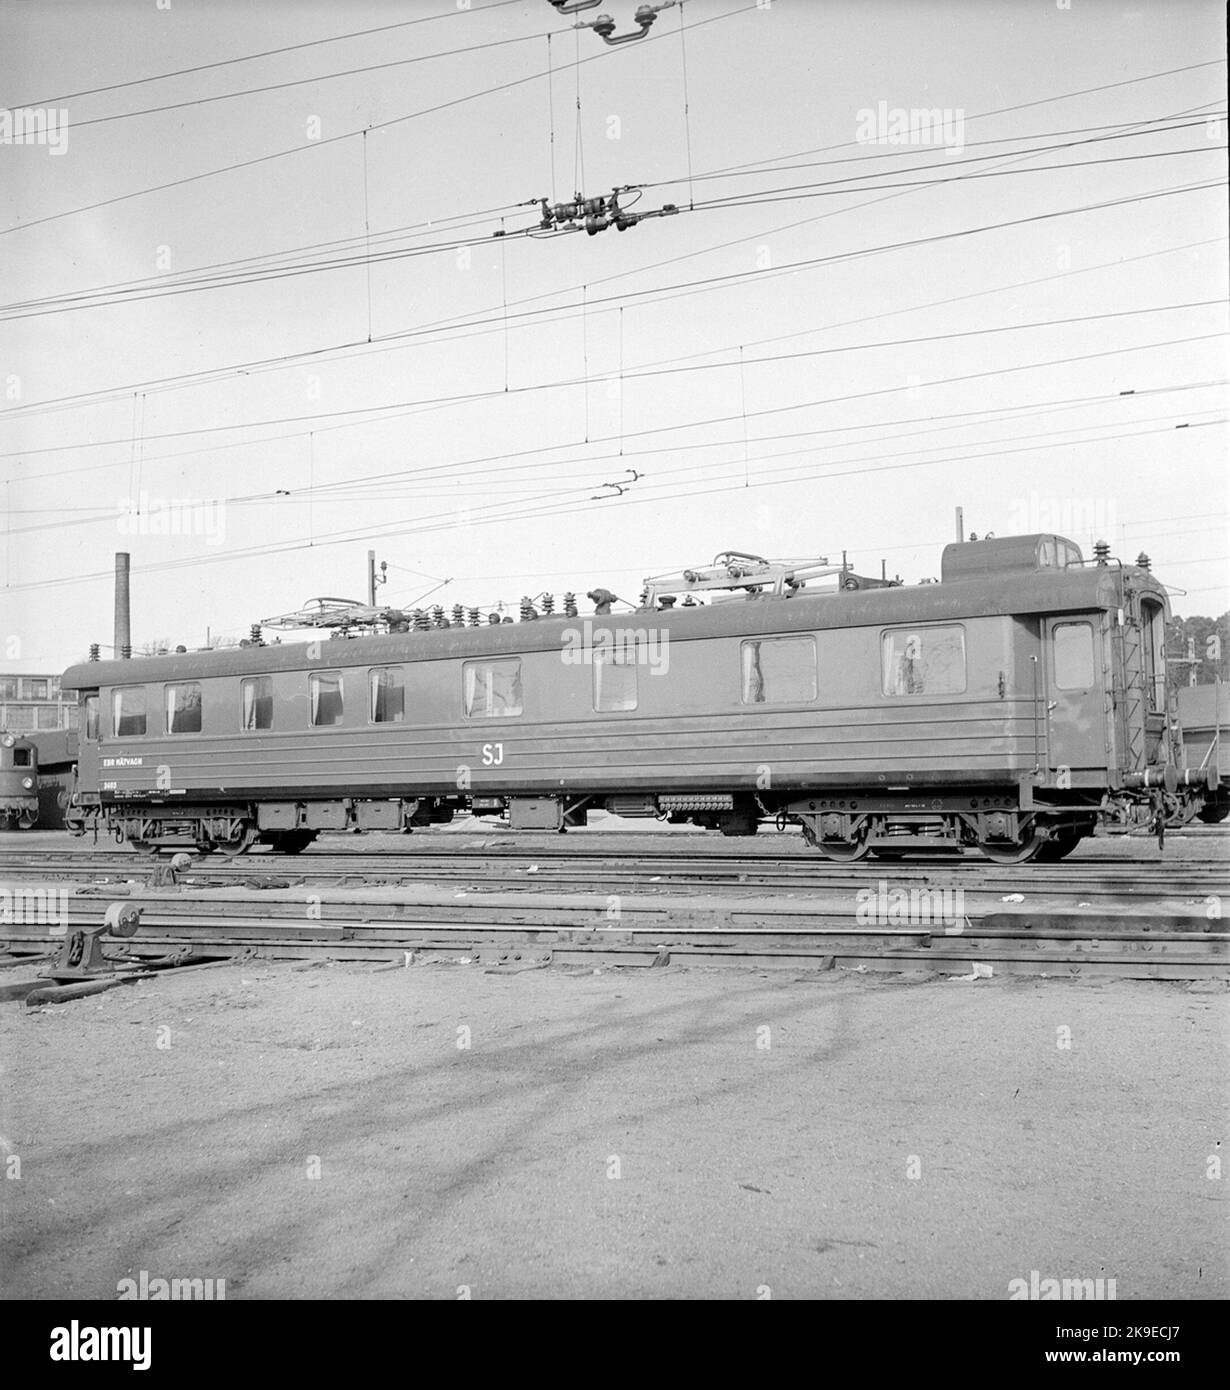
144 847
844 851
1028 849
231 849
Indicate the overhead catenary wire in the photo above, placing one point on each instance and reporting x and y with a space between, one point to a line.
376 411
1144 128
512 461
326 141
245 274
196 102
687 120
287 361
1003 110
267 53
712 281
580 480
469 328
502 515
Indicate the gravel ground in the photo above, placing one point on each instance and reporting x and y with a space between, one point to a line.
327 1132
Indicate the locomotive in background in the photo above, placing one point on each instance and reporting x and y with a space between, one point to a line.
1014 705
18 783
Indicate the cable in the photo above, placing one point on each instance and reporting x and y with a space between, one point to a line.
830 189
502 515
333 139
287 361
998 111
914 152
410 230
660 429
503 459
266 53
304 81
245 273
687 124
110 298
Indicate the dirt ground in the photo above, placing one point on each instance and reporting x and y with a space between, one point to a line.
432 1131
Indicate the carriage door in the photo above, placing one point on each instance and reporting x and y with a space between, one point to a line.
87 742
1153 654
1075 703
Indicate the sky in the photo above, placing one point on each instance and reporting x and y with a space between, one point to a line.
254 335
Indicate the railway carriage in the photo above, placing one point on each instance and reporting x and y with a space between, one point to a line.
1205 711
1013 705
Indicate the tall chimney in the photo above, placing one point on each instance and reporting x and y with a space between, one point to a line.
123 619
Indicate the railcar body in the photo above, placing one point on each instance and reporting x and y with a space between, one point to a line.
18 783
1204 711
1012 705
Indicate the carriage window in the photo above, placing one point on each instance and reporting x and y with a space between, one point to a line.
184 708
615 678
1046 553
1069 554
91 716
256 696
1073 656
388 695
923 661
491 689
128 711
21 757
326 697
779 670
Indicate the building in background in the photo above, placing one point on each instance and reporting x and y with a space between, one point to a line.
30 703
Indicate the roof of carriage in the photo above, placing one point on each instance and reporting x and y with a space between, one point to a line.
1004 579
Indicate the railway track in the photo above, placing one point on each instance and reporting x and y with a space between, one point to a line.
647 868
939 932
648 900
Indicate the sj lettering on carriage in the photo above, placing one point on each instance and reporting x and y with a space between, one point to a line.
632 646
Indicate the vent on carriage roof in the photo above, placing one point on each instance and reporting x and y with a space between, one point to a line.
976 559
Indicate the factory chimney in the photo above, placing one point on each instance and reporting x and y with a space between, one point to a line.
123 618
